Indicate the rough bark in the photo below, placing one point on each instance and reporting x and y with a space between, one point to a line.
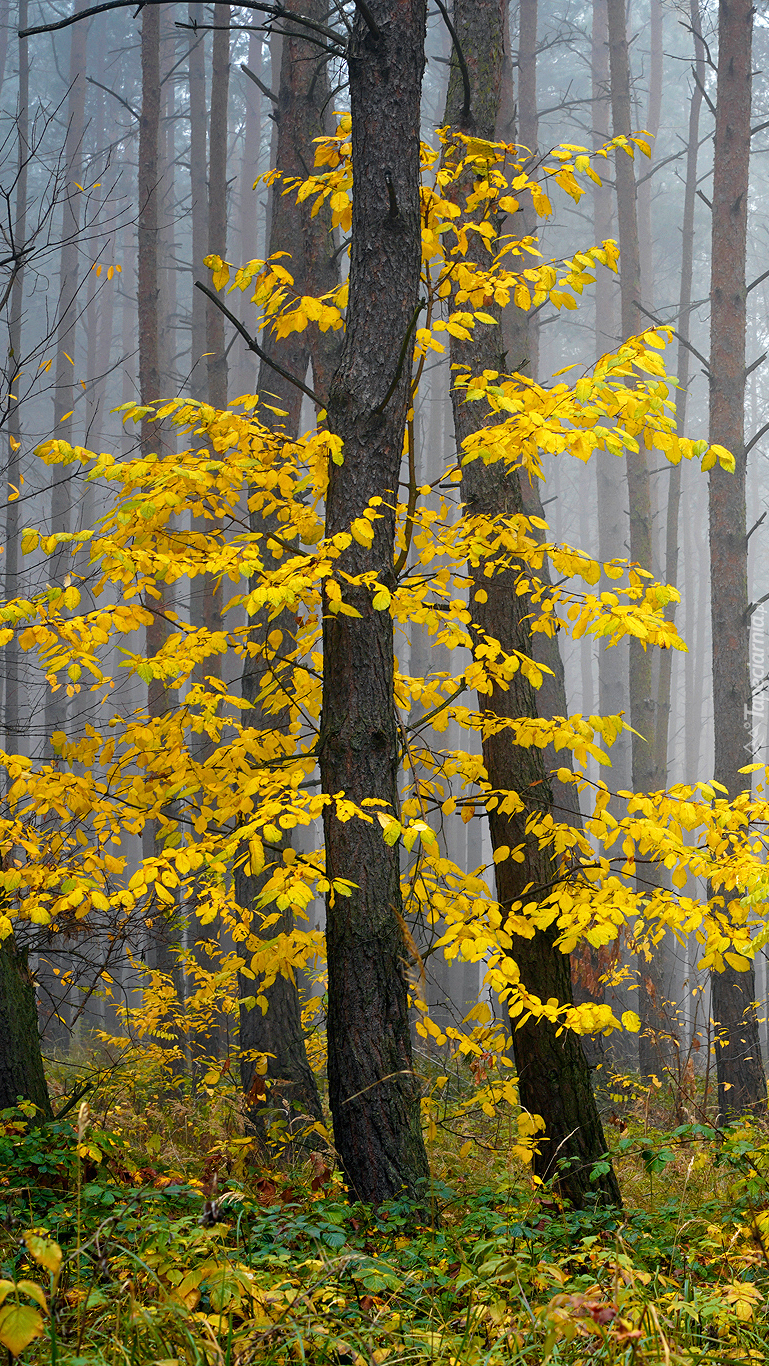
373 1093
553 1074
741 1081
21 1062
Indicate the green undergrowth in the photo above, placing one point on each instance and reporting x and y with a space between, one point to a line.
124 1244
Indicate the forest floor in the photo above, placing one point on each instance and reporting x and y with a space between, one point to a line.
149 1228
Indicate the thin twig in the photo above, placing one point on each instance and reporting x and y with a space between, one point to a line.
254 346
381 406
683 340
264 89
466 114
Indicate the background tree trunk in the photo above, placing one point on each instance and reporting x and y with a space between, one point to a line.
741 1080
302 100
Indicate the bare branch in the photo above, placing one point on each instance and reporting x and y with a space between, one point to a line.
683 340
755 527
461 60
758 282
254 346
755 365
252 76
277 11
754 440
368 17
115 96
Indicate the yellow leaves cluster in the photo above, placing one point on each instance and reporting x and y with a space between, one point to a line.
175 518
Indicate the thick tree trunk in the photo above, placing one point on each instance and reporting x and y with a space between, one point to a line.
741 1081
21 1062
373 1093
553 1074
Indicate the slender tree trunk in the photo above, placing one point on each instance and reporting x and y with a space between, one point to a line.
303 95
13 742
373 1093
166 931
612 515
66 339
217 200
682 370
250 201
553 1074
741 1081
198 199
656 1043
21 1063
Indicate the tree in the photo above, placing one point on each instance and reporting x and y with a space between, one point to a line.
553 1075
373 1094
741 1080
301 103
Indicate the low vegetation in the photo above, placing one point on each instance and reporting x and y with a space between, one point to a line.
147 1226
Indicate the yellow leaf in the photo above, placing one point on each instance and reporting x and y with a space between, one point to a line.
630 1021
43 1250
19 1324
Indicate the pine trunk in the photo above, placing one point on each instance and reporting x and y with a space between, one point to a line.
302 99
553 1074
21 1062
741 1080
373 1093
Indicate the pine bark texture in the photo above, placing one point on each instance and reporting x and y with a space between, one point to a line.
21 1063
373 1093
741 1081
553 1075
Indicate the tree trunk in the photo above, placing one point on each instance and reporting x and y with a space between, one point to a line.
682 371
13 741
373 1092
198 199
303 95
741 1081
553 1074
657 1051
63 402
217 205
21 1062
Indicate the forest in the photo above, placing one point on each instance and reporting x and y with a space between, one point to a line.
383 677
